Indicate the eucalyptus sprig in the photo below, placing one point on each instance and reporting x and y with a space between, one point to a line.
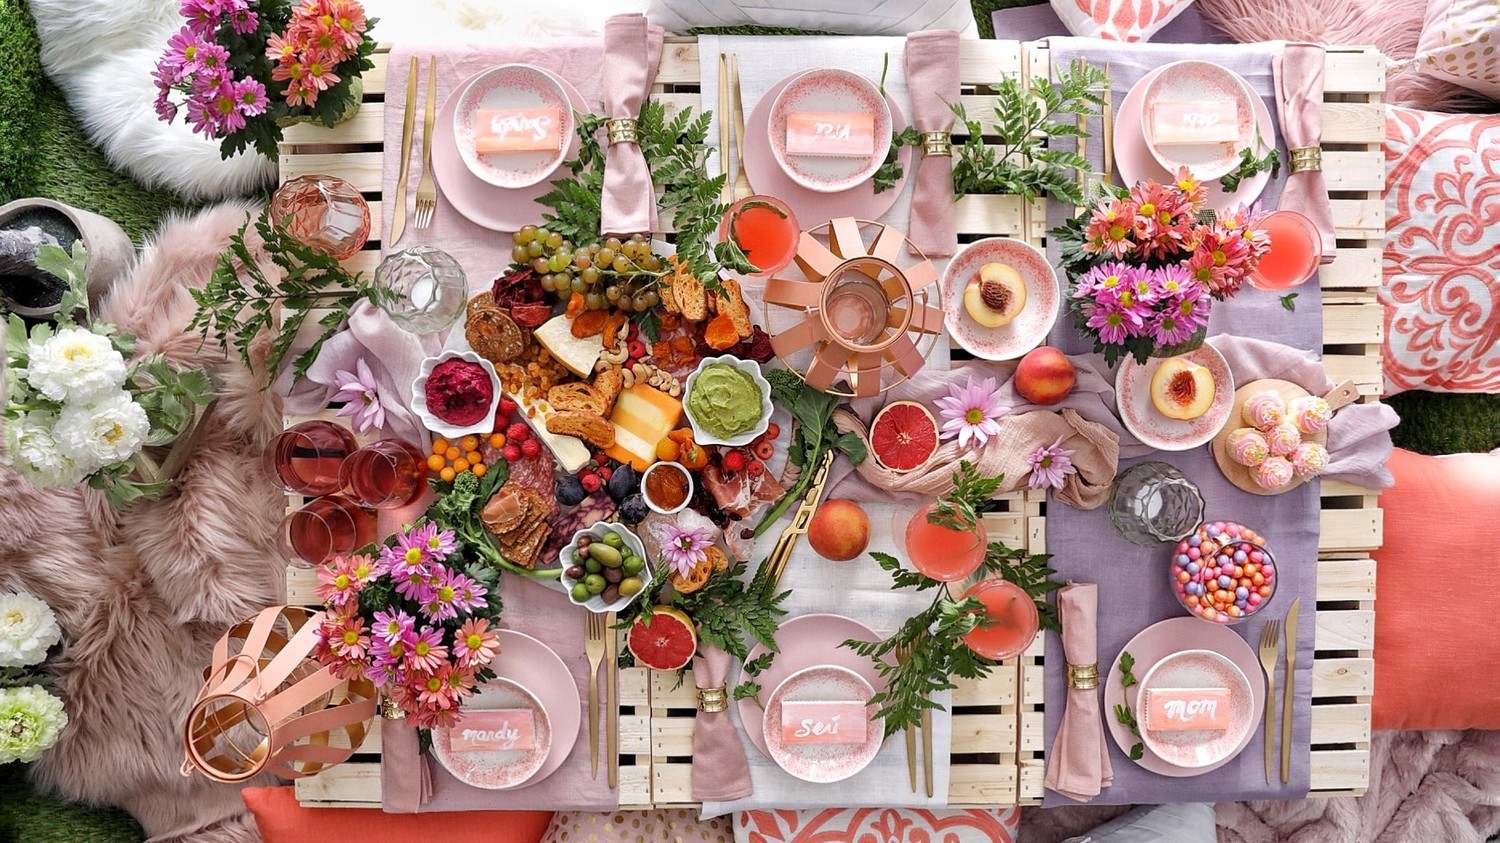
1250 164
959 509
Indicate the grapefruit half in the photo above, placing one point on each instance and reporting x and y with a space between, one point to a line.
664 640
904 436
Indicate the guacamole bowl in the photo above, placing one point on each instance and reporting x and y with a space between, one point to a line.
720 399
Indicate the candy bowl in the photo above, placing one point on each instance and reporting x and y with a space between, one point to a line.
1223 573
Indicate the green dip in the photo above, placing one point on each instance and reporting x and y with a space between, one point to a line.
725 401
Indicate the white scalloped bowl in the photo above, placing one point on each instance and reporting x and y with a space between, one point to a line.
701 435
437 425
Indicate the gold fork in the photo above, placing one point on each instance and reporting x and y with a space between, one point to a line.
903 652
1270 645
741 181
427 187
593 647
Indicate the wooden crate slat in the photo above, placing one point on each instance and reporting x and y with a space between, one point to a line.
361 169
1346 579
1343 769
1348 723
1354 268
1353 324
1350 529
366 126
1347 629
1334 677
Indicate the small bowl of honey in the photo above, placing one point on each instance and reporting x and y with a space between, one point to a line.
667 487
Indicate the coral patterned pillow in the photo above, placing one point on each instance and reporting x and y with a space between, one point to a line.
1442 251
677 825
1118 20
877 825
1461 43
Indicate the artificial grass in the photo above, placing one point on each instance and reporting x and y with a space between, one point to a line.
20 85
1443 423
27 816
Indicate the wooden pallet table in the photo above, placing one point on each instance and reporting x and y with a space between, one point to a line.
998 756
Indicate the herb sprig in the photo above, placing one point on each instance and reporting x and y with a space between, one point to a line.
1289 301
1250 164
890 170
959 509
1123 714
815 433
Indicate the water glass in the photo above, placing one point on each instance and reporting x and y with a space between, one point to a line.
1153 502
422 289
323 213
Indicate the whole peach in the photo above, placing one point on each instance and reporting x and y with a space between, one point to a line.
1045 375
839 530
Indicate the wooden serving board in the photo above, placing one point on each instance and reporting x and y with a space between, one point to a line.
1238 474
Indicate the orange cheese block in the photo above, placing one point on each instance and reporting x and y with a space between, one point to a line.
1187 709
642 417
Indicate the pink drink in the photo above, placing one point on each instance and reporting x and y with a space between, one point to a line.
1010 623
1296 251
940 553
384 475
305 459
327 527
765 229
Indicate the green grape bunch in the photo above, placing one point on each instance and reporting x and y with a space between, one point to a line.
613 273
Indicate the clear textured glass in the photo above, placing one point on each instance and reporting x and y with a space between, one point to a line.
323 213
1153 502
422 289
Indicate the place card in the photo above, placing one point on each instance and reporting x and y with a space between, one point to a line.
823 722
1197 122
498 730
830 133
1187 709
517 130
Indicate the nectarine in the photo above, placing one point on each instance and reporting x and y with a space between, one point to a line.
839 530
1045 375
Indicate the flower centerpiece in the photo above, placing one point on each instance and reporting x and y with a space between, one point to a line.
1145 269
406 618
243 69
31 718
76 410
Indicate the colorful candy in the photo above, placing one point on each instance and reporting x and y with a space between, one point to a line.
1223 573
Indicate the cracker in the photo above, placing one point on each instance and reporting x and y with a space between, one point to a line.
493 335
590 427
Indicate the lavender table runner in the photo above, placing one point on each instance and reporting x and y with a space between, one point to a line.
1133 587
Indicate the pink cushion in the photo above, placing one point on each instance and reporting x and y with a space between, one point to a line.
1461 44
1118 20
858 825
1442 252
281 820
670 825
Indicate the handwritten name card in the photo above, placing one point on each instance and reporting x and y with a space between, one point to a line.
1187 709
500 730
830 133
517 130
823 722
1195 122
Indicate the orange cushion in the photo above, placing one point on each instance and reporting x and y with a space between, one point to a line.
1434 668
282 820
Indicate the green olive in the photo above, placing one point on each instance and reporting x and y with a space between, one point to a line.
606 555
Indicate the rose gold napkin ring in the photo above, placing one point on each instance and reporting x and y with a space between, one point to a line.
713 700
623 130
1084 677
937 143
1306 159
390 710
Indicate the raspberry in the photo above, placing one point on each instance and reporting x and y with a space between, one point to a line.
601 458
518 432
508 407
636 349
756 468
531 447
764 450
591 482
511 452
734 460
605 472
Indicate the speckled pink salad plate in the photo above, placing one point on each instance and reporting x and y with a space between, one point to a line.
1168 638
549 688
484 204
1198 748
806 641
505 87
829 89
1029 328
766 175
1200 80
822 763
1136 163
1141 418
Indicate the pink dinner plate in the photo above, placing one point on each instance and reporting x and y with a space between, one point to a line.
1186 81
806 641
822 763
811 206
497 769
827 90
1200 748
511 86
1155 643
550 682
1136 163
495 208
1029 328
1133 395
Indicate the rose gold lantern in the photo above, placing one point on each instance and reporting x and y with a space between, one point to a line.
267 705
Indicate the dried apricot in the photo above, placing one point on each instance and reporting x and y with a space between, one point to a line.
575 305
612 326
590 323
720 333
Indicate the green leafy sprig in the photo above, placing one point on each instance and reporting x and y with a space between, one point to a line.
815 434
233 310
1250 164
890 170
1289 301
1123 714
1023 163
959 509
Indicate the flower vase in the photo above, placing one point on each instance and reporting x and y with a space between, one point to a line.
1192 343
356 96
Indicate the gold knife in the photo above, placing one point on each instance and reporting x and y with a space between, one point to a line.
775 564
398 221
726 195
1109 127
611 704
1290 630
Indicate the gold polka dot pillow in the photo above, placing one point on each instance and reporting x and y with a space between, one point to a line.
1461 43
676 825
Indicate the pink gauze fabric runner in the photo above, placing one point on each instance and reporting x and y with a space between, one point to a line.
932 79
1299 102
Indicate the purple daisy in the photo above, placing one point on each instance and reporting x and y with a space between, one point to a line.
1050 466
393 625
1114 322
971 412
684 549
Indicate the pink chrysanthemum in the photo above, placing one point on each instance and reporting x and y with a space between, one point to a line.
427 651
338 582
349 639
394 625
442 596
437 544
468 595
431 687
1192 190
476 644
971 412
684 549
1113 322
1050 466
1109 229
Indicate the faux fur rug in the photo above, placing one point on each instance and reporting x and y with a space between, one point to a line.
142 597
1425 787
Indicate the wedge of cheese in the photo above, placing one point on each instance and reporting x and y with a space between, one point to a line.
642 417
571 452
579 355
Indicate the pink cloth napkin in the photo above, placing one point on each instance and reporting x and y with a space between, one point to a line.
720 770
932 78
1078 764
632 52
1299 101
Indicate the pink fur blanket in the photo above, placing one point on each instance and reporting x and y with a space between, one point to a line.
142 596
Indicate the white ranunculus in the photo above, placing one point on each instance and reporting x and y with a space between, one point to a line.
34 453
75 366
30 722
28 629
102 433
